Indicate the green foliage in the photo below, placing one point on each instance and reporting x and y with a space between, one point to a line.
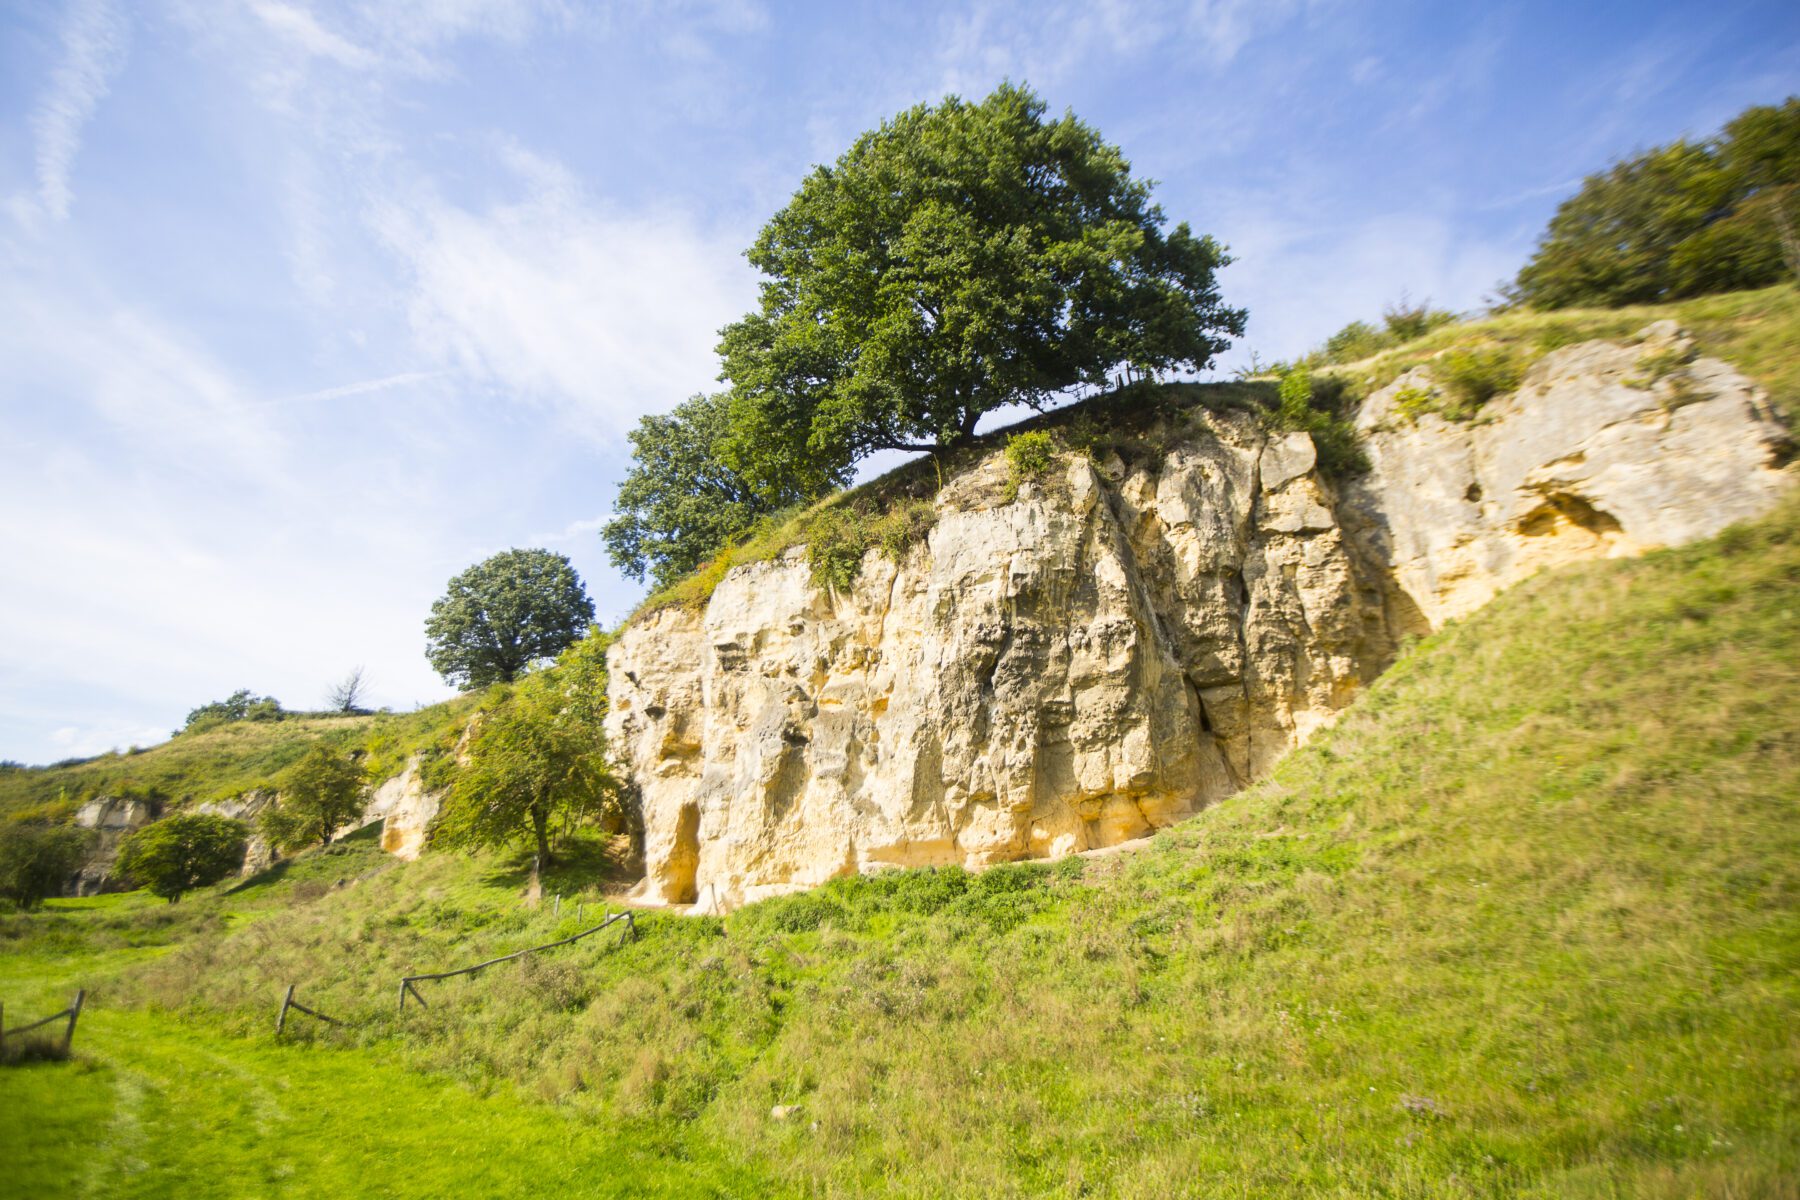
681 502
999 899
1680 220
503 614
839 535
1473 375
958 259
323 792
1402 322
234 758
1028 456
537 756
836 541
1414 401
239 706
38 860
1319 408
1406 321
1357 340
175 855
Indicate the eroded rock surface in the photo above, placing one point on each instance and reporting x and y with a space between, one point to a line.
1592 457
405 810
1126 642
113 819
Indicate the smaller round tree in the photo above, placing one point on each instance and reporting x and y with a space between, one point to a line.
178 854
500 616
323 792
36 860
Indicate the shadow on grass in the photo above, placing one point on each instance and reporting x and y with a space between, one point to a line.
360 842
32 1048
584 863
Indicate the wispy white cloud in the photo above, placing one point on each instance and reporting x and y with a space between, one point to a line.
93 45
300 29
554 299
586 527
1045 42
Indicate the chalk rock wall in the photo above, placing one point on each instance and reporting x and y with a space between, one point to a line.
113 819
259 855
1592 457
405 810
1125 642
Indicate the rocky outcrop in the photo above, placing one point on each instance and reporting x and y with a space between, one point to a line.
405 810
113 819
1591 457
246 807
1132 639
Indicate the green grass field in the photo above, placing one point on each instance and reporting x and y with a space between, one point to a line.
1526 922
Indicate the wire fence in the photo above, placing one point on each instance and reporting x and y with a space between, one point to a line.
628 933
70 1014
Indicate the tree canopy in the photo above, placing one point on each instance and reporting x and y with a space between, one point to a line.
1680 220
320 794
37 860
682 500
962 257
175 855
504 614
239 706
536 756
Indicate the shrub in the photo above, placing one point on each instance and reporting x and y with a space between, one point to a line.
174 856
839 535
37 860
836 541
1406 321
1028 456
906 523
1414 401
1358 339
1473 375
1318 408
320 794
239 706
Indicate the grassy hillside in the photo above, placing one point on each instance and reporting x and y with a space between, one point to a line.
1526 922
1755 331
230 759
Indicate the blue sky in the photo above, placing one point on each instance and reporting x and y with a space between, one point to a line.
305 306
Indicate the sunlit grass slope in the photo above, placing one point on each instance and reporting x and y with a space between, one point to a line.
1525 923
1758 332
230 759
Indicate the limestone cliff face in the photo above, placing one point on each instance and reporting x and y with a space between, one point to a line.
1589 458
113 819
405 810
1129 641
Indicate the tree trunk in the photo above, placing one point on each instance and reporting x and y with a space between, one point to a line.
540 825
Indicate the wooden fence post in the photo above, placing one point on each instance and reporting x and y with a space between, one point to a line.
281 1017
74 1013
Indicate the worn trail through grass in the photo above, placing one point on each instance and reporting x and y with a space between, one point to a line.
154 1107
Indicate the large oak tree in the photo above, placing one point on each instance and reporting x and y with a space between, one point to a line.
962 257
